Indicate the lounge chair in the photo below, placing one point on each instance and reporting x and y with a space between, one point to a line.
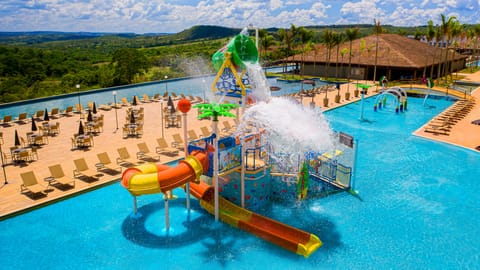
55 113
30 184
145 154
105 107
178 141
59 176
125 101
164 149
68 111
83 172
199 99
7 120
146 99
105 164
205 132
124 158
156 97
79 108
192 135
39 115
227 128
192 99
22 118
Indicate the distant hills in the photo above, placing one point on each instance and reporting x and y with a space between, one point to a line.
194 33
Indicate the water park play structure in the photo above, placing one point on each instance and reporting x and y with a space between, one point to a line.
397 94
236 174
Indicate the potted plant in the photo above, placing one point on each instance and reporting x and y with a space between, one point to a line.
337 98
325 101
356 92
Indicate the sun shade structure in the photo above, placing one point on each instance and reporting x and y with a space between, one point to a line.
45 115
80 128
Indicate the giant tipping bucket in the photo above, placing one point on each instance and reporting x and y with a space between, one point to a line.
241 48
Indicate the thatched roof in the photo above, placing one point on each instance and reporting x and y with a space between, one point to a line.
393 51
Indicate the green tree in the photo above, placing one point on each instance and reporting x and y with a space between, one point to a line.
128 63
351 34
377 30
430 34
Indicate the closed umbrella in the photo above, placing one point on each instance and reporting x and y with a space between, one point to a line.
171 105
17 139
45 116
134 101
80 129
94 110
132 118
89 116
34 125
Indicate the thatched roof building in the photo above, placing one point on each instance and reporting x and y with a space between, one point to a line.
398 58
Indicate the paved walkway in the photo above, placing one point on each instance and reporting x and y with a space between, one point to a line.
59 149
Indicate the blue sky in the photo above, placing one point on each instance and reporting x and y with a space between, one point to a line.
170 16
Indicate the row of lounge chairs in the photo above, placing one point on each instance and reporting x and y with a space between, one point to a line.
83 172
23 117
443 123
87 174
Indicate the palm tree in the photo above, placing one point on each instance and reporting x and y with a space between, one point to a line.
266 41
286 44
305 36
377 29
446 29
337 40
438 36
328 39
351 34
287 36
476 29
430 35
456 31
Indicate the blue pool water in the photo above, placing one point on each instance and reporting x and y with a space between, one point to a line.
417 209
195 86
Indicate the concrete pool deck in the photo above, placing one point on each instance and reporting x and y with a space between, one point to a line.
59 149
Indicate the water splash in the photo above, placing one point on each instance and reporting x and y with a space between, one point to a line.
290 128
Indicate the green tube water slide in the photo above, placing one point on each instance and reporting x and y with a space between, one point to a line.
242 49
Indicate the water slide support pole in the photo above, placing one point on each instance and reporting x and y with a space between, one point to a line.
135 204
354 175
167 217
215 166
185 149
242 156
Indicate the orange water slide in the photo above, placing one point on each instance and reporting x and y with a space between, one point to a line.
151 178
290 238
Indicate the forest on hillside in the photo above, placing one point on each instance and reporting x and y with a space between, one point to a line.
39 64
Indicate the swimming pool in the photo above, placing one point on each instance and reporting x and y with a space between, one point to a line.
188 86
417 209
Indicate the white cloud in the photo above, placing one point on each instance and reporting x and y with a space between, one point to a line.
175 15
276 4
362 12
